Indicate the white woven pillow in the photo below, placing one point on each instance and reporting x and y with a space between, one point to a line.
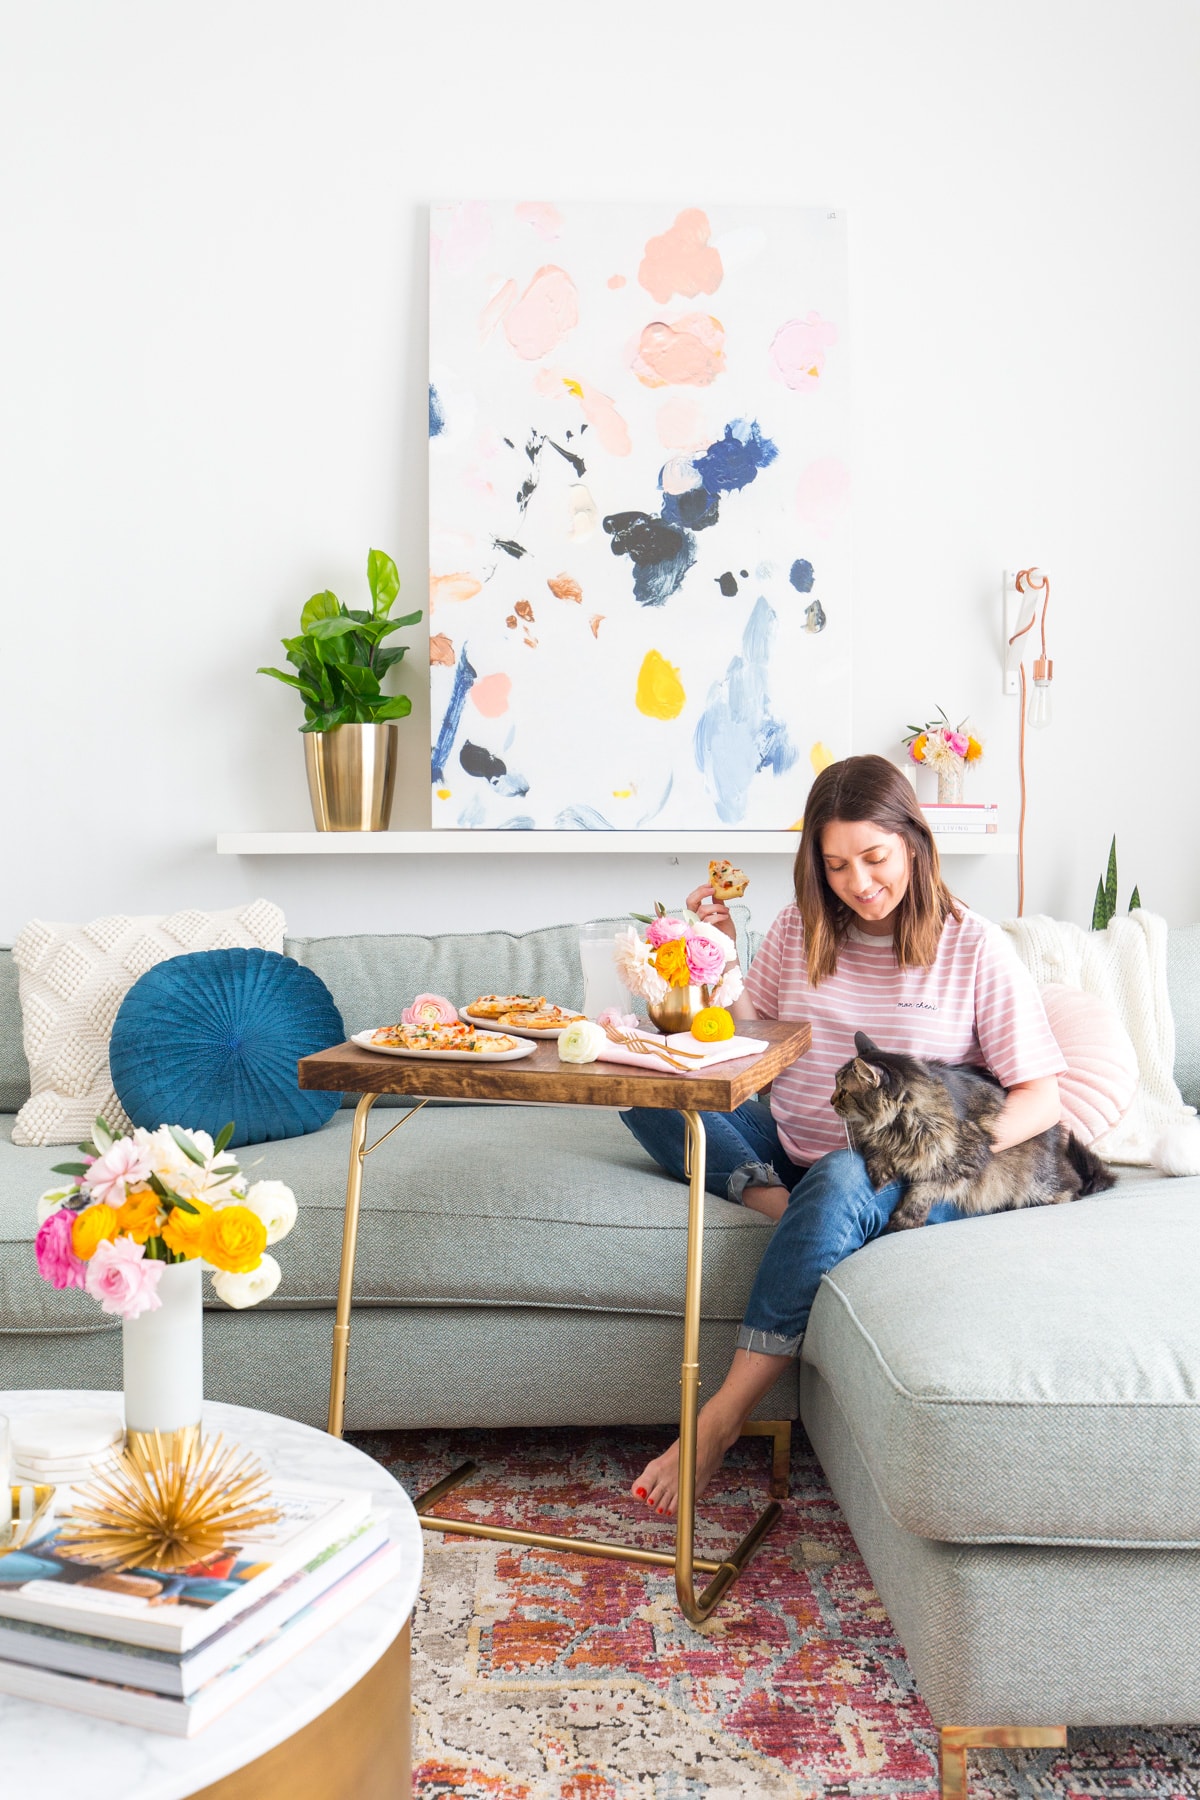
73 978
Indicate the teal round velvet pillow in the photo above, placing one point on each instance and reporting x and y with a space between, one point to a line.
216 1035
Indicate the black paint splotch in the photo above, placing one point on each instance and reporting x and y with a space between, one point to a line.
728 584
661 553
535 444
696 510
510 547
576 462
801 575
479 762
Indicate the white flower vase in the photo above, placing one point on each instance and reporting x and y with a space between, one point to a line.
950 783
163 1357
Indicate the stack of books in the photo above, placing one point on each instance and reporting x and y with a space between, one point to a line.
171 1652
65 1447
966 816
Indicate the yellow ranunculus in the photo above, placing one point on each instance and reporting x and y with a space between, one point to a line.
93 1226
918 746
670 959
974 749
185 1232
235 1239
141 1215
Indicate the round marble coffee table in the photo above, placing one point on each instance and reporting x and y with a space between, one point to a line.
336 1720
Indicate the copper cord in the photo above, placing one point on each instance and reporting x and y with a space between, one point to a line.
1028 581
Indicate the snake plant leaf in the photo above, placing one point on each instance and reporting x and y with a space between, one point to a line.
1100 913
1135 899
1110 880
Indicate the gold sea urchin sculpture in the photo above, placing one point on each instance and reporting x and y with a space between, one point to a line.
168 1505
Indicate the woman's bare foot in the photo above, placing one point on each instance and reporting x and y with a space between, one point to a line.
716 1433
770 1201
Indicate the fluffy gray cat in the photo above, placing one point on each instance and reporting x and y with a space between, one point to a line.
928 1124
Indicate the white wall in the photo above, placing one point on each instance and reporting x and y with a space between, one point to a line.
213 326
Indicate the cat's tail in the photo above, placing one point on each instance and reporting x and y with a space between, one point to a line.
1094 1178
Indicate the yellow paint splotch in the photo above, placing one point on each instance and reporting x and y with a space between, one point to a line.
443 793
660 692
820 756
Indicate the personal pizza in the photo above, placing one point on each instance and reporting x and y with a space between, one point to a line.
726 882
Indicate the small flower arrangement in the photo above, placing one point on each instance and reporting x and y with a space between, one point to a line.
679 951
941 746
138 1203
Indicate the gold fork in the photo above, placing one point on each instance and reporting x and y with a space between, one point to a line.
644 1047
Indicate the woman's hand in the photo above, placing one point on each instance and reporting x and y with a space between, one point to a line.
712 912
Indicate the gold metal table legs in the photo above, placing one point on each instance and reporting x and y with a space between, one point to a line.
956 1740
682 1559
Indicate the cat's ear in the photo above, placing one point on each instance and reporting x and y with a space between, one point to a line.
864 1046
867 1072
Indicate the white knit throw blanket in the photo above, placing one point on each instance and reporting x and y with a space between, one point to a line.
1127 966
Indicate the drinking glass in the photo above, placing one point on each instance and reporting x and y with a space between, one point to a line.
602 986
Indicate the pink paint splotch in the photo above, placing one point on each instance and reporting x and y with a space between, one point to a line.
548 309
597 408
545 219
682 261
490 695
823 494
690 352
500 303
798 350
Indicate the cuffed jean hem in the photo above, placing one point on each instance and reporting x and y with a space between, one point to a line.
768 1343
751 1174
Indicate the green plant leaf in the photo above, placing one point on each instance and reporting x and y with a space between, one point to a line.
362 683
1100 913
291 680
183 1139
177 1200
324 629
383 581
102 1137
1110 880
388 625
1135 899
321 606
329 720
385 659
395 706
69 1168
222 1138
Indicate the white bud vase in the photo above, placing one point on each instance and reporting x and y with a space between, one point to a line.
163 1356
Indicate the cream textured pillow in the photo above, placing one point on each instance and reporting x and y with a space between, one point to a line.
73 978
1102 1066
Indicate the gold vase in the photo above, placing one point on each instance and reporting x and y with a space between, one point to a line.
678 1009
351 776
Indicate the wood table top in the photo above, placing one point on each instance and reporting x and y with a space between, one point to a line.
543 1080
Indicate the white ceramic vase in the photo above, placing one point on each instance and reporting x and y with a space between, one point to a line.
163 1355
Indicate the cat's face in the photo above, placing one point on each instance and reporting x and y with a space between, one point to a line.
871 1088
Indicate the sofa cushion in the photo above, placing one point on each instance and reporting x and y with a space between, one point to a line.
464 1205
14 1070
1183 984
1031 1377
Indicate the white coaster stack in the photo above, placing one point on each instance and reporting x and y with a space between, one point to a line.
65 1448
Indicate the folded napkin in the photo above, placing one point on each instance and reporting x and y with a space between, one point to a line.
729 1051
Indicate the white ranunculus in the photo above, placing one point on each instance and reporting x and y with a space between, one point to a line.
730 986
582 1042
50 1202
275 1204
247 1290
632 958
179 1173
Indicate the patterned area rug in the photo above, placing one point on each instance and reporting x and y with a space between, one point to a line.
544 1677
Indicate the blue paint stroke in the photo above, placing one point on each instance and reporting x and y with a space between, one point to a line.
737 737
735 459
801 576
464 681
514 785
471 814
437 418
581 818
519 822
655 810
696 510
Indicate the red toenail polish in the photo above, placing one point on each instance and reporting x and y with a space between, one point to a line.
640 1492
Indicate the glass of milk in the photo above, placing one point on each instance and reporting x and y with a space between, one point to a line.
602 986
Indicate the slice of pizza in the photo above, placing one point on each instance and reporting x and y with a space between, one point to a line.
494 1006
726 882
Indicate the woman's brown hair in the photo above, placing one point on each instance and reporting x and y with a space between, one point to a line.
869 789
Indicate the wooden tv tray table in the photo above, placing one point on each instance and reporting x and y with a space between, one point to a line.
545 1081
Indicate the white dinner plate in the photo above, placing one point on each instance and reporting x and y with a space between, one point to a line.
555 1031
363 1040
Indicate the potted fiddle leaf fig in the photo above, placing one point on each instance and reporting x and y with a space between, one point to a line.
340 659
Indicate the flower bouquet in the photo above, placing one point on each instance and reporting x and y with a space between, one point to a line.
138 1204
681 966
945 748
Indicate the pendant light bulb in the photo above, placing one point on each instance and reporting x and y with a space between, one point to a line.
1040 704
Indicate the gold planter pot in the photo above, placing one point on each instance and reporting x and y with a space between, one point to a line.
351 776
677 1011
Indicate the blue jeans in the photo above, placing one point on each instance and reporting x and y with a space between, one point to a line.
832 1210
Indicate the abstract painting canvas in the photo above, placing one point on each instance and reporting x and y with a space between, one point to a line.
639 497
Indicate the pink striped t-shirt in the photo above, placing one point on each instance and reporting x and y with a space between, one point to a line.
977 1003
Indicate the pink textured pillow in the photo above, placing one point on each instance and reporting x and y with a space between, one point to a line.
1102 1069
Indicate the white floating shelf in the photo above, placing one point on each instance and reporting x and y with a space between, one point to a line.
556 843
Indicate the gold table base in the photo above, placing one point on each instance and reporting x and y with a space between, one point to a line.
684 1561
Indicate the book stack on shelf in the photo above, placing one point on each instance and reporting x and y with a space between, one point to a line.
966 818
170 1652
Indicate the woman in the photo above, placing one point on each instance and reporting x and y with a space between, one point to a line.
875 942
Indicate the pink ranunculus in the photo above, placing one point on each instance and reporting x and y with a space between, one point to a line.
123 1162
56 1260
122 1280
705 960
957 742
620 1021
663 931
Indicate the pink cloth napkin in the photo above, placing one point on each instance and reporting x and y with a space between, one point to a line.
730 1051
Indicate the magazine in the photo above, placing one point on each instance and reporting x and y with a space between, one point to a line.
165 1672
44 1584
185 1717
